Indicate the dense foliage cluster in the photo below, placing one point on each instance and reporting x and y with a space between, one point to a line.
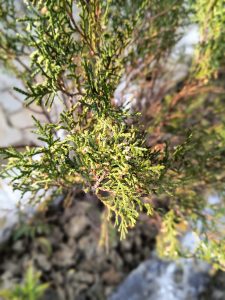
71 56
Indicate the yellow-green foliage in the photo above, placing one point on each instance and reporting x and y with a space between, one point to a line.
30 289
75 54
210 17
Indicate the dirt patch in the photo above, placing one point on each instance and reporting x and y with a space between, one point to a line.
64 246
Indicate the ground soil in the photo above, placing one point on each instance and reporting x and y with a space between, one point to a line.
63 244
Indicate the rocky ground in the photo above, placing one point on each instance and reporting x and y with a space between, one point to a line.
63 244
216 288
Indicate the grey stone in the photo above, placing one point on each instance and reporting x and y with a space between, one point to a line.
58 278
50 295
63 257
154 280
111 276
18 247
11 268
84 245
76 226
84 277
43 262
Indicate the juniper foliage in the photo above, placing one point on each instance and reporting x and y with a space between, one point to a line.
73 55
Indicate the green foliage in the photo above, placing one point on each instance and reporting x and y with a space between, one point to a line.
30 289
30 230
73 55
99 151
168 244
210 15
